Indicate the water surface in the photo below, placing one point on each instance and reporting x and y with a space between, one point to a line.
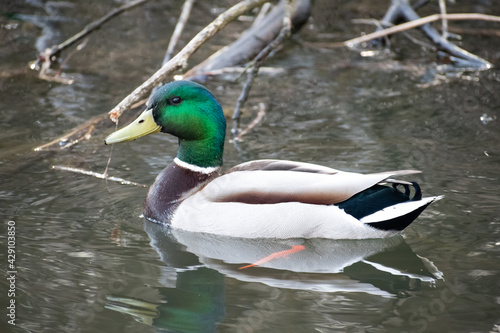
87 262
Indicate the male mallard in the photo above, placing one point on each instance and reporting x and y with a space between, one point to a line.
263 198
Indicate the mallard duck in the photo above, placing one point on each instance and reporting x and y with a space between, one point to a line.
263 198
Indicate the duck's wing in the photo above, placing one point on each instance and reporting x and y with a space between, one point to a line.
270 181
282 165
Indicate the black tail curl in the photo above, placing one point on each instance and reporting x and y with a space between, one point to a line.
379 197
418 192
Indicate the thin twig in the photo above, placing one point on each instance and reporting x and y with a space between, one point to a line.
380 25
85 136
89 28
105 173
67 140
97 175
417 23
66 59
260 115
180 60
419 42
259 60
52 54
262 13
64 142
45 70
179 27
241 99
444 21
459 55
174 39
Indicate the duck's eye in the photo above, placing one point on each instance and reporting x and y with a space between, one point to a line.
175 100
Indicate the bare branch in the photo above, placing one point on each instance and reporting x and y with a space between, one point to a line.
186 10
444 21
96 175
262 14
81 132
76 135
417 23
52 54
174 39
45 70
387 42
259 60
260 115
180 60
252 40
459 54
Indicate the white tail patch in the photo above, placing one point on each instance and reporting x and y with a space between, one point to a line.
397 210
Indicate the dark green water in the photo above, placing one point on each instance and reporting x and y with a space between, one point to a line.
87 262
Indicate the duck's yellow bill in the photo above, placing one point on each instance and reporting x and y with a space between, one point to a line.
143 125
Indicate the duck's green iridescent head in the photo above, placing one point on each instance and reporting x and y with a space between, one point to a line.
188 111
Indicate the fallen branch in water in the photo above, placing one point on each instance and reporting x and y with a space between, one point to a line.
259 60
262 32
416 23
180 60
97 175
81 132
444 21
179 27
402 10
387 40
260 115
51 55
43 64
458 54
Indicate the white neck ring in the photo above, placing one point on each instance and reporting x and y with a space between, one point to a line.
195 168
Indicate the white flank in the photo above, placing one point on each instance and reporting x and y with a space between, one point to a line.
281 221
397 210
195 168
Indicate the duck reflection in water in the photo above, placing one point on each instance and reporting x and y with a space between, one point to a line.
381 267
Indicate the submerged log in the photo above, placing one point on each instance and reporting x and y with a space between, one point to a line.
253 40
